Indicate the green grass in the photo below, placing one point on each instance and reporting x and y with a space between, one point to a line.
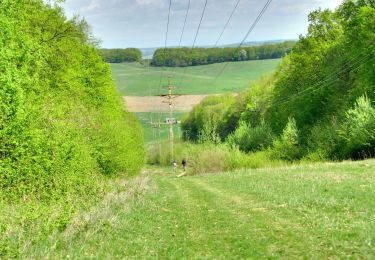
151 134
316 211
133 79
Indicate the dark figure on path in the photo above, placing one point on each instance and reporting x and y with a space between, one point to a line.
184 165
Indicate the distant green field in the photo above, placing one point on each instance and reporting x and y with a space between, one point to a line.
133 79
151 134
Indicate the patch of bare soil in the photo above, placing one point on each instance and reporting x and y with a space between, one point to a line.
155 104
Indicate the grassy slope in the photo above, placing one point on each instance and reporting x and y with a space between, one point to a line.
318 211
133 79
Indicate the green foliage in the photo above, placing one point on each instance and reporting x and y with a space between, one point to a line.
210 157
182 57
286 146
357 132
251 139
328 68
61 120
121 55
326 71
205 121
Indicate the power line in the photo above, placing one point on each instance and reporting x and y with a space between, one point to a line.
254 24
169 15
226 24
160 78
320 84
183 27
195 38
165 47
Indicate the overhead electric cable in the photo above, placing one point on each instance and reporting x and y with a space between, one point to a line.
165 47
183 27
227 23
254 24
321 83
196 36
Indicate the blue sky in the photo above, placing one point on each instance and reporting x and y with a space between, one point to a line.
142 23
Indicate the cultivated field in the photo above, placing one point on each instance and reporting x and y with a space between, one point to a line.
155 104
133 79
321 211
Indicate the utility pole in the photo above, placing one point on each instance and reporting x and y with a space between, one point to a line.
170 121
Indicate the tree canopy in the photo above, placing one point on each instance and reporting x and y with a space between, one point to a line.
182 57
61 121
121 55
325 84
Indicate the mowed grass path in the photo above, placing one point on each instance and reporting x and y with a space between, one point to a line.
313 212
133 79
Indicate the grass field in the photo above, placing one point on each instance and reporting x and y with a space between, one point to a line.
133 79
321 211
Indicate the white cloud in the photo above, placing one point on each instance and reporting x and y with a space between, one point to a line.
94 4
142 23
150 2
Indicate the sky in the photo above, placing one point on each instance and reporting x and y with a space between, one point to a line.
143 23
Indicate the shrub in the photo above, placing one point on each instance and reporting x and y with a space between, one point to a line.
251 139
357 133
286 146
323 141
211 158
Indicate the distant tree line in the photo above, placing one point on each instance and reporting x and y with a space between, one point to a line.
182 57
121 55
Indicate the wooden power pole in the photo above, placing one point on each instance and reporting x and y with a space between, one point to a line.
170 121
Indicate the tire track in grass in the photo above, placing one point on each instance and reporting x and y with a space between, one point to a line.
253 233
269 225
325 228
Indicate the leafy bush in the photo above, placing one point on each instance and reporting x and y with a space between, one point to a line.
206 120
357 133
251 139
323 141
211 158
286 146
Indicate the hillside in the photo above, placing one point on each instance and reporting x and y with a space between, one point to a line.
133 79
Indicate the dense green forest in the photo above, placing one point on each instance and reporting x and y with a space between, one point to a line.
121 55
182 57
62 125
318 105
